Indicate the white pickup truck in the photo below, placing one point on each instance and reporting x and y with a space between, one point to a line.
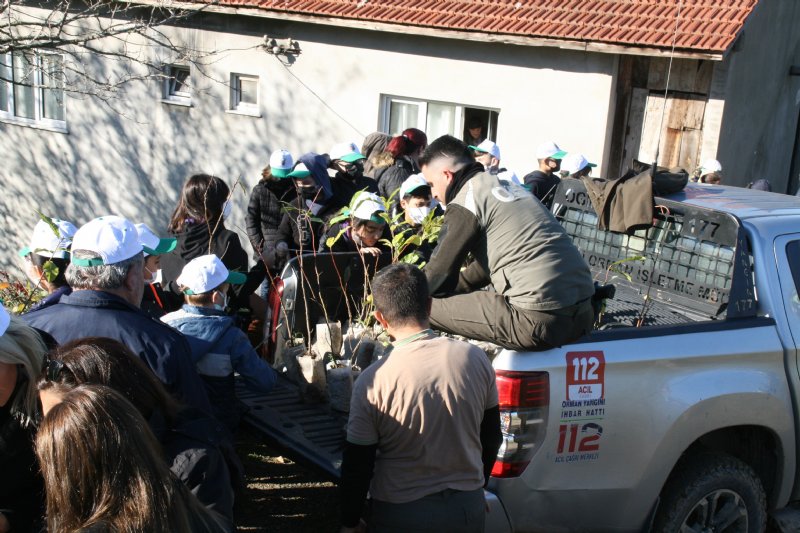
680 413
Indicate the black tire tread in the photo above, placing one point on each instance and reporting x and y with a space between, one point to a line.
694 472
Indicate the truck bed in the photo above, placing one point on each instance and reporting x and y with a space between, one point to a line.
692 265
626 308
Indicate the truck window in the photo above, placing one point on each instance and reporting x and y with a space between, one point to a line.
793 256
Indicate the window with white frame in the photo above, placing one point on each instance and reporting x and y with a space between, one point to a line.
32 89
244 94
434 118
177 85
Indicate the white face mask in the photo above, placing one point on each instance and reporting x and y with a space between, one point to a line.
418 214
155 276
226 210
224 304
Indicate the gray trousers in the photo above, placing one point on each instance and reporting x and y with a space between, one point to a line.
487 316
448 511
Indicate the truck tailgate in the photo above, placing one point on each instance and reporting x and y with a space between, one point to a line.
309 433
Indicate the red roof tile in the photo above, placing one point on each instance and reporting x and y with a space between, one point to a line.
704 25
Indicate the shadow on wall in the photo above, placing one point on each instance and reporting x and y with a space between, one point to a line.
132 161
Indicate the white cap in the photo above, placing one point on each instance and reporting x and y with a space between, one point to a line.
488 147
5 320
414 182
549 149
281 163
348 152
206 273
111 237
366 204
509 176
51 242
152 244
710 165
573 163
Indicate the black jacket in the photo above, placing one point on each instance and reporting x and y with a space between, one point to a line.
154 301
194 447
88 313
392 177
193 243
344 188
301 229
423 250
542 186
356 267
265 211
22 488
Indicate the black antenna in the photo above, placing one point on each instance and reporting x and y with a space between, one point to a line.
666 90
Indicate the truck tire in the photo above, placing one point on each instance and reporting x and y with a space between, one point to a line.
712 492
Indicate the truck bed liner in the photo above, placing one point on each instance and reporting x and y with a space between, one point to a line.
626 306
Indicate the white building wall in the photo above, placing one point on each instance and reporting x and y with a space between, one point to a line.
132 161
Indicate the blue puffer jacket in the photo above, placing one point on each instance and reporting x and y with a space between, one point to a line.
88 313
219 349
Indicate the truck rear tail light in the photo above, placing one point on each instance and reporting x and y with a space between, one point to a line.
524 400
274 318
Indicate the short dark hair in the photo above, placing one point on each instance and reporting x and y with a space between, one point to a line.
400 292
447 146
60 263
423 192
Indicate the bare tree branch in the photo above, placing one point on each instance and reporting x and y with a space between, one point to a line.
127 35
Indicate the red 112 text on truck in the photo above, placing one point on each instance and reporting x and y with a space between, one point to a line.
678 414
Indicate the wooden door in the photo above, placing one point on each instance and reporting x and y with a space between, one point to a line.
681 129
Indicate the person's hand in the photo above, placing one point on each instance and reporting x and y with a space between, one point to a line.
5 527
371 250
360 528
282 249
268 256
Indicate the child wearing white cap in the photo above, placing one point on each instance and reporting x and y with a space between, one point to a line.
710 172
153 248
365 228
264 211
543 181
576 166
416 207
219 347
47 257
487 154
347 166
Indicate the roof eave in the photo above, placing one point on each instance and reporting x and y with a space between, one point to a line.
520 40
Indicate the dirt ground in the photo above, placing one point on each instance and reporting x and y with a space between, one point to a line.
281 495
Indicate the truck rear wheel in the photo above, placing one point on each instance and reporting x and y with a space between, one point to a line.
712 492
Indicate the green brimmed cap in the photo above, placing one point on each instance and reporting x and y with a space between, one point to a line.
152 244
300 171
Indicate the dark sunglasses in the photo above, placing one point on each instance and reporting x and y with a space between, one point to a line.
53 369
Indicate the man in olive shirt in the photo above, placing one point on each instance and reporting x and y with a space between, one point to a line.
542 287
429 412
